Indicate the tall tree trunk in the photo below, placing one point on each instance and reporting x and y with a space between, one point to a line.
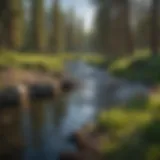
4 17
57 34
117 33
155 27
107 28
103 28
128 31
70 30
15 24
38 24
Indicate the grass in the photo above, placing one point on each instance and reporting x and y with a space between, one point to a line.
42 61
133 132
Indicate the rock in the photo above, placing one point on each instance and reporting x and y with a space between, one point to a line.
87 143
70 156
67 85
81 155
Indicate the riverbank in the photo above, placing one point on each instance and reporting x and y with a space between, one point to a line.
140 67
133 130
17 76
42 62
11 117
114 128
18 67
130 131
124 132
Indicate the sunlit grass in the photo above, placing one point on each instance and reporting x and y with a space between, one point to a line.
124 62
154 101
121 63
48 61
122 121
143 53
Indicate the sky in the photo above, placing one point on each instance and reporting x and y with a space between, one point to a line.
83 9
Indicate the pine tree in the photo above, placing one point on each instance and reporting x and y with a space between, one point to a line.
155 27
15 24
70 30
38 36
3 21
127 26
57 29
103 26
113 30
79 39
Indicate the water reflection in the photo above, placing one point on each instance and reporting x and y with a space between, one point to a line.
48 126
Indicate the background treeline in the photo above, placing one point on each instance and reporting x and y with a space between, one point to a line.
130 28
119 28
123 26
28 25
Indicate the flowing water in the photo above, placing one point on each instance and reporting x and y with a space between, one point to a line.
47 129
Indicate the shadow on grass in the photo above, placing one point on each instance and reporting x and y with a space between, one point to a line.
144 145
145 70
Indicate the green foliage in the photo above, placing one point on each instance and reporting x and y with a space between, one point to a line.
124 122
139 102
132 133
42 62
144 70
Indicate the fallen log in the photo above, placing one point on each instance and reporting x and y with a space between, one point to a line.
10 96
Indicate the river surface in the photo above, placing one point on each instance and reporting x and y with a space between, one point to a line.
47 129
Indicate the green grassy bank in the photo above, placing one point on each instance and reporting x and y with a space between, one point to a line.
140 67
133 130
42 61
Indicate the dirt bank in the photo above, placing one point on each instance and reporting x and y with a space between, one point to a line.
12 76
11 137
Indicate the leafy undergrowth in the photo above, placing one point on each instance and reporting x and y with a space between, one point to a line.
141 67
133 131
145 70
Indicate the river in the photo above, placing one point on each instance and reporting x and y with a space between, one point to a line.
47 129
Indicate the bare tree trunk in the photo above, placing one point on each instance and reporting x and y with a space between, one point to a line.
107 30
4 11
154 27
128 32
103 27
38 40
